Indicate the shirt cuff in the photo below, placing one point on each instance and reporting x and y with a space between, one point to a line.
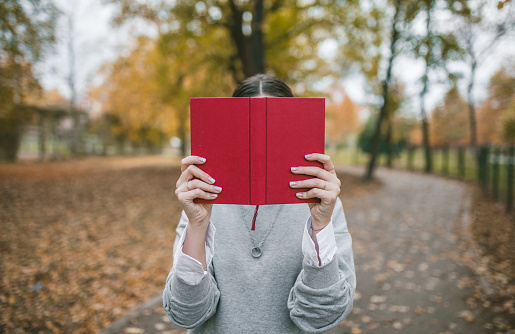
326 245
188 269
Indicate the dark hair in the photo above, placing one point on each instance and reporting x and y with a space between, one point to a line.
262 84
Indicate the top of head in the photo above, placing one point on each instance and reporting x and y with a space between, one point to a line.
262 85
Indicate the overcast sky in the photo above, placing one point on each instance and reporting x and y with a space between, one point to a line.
99 42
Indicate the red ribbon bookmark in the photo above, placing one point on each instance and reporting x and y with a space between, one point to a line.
254 219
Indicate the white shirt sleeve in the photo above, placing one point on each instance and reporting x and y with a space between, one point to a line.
326 245
189 269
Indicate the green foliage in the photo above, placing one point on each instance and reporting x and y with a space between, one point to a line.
136 112
397 144
26 30
508 126
204 48
396 127
228 37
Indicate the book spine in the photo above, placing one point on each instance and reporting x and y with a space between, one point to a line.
257 150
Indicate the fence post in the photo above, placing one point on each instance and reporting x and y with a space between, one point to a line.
495 173
410 158
478 155
509 191
445 159
461 162
483 166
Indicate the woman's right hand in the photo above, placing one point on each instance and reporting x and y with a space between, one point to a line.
195 183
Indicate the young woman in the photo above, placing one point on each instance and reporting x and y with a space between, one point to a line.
293 274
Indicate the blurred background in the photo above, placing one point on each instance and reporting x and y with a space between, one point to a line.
99 85
115 77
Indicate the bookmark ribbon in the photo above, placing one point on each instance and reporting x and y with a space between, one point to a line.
254 219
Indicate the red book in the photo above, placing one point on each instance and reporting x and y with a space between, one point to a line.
251 143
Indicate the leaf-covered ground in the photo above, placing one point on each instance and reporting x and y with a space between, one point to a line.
419 268
83 242
494 234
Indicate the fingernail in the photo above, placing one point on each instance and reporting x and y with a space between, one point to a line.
293 183
294 169
211 180
218 189
214 195
307 156
202 159
299 194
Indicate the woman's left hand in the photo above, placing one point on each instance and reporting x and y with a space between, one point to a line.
325 185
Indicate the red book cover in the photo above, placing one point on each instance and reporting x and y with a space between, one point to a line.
251 143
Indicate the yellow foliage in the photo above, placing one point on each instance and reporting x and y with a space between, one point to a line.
449 122
494 113
132 92
342 118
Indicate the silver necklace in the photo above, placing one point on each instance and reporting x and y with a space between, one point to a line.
256 250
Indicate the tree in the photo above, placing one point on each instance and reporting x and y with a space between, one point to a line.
209 46
131 98
449 121
257 36
396 22
489 22
396 98
496 113
26 32
75 144
436 48
390 146
508 127
342 119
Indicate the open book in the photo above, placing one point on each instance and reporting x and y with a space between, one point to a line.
251 143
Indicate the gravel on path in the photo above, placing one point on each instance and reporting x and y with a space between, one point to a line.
406 240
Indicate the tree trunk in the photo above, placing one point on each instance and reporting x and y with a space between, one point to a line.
257 37
75 137
382 112
425 125
250 49
181 132
425 80
389 149
106 138
427 147
472 108
41 136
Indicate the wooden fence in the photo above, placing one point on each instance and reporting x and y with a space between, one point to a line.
492 166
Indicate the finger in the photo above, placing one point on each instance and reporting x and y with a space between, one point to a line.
189 196
324 195
313 171
198 184
193 171
190 160
313 183
324 159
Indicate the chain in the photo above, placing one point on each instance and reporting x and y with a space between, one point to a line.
267 232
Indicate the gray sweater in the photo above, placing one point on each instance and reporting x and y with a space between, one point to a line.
276 293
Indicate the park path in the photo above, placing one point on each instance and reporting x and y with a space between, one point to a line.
408 238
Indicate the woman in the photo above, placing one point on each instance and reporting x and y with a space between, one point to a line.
299 276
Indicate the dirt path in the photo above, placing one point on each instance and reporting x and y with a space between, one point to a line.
408 240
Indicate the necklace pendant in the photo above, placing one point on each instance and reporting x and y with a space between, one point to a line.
256 252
